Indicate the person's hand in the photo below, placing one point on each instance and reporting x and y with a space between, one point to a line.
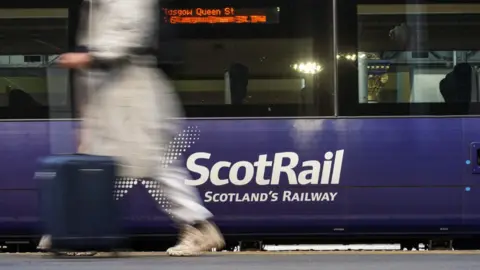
74 60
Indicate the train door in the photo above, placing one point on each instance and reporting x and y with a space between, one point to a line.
471 161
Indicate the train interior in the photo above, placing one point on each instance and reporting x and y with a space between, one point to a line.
418 53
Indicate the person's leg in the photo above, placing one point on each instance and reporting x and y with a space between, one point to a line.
197 232
163 118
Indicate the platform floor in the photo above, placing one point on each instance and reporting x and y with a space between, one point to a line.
254 261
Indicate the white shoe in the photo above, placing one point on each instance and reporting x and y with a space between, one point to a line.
194 241
189 243
212 237
45 243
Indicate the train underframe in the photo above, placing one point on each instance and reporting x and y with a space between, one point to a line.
158 243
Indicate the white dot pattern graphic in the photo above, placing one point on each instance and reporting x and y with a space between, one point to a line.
174 149
154 188
122 186
180 144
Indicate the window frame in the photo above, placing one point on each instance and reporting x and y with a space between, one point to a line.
347 91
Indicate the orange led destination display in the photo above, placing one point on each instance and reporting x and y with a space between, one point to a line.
225 15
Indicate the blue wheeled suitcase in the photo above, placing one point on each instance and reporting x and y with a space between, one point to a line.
77 204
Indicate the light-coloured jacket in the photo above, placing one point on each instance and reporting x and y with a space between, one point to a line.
129 112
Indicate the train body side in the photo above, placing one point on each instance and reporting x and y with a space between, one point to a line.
284 176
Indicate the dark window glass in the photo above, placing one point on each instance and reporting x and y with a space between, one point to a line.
30 86
249 58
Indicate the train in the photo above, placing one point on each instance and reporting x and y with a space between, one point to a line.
287 177
345 157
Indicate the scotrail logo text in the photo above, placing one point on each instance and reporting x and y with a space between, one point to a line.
285 166
281 164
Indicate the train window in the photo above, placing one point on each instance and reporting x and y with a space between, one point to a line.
419 58
31 87
249 57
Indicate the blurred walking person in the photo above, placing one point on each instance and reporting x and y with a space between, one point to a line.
131 111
